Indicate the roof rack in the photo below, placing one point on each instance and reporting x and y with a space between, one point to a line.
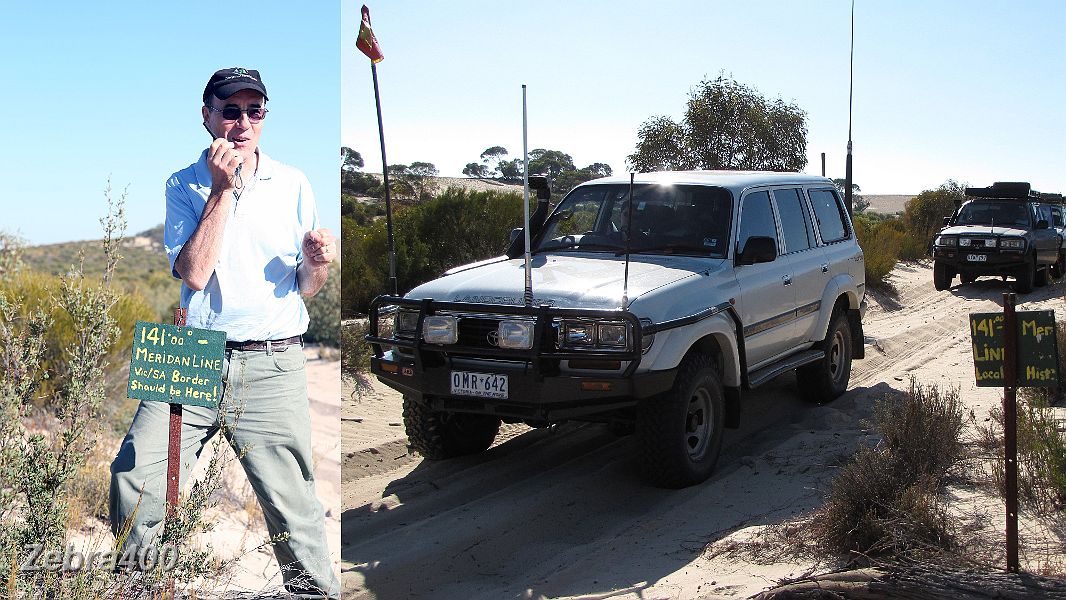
1013 190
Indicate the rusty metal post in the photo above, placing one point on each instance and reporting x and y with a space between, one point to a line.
174 452
174 441
1010 426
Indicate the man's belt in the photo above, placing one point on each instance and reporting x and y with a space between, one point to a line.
278 345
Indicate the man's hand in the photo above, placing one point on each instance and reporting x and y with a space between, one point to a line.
222 162
319 247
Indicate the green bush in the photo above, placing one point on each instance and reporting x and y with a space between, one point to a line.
33 292
880 241
324 309
456 227
923 216
62 334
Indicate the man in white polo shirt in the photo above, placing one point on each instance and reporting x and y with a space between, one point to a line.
242 234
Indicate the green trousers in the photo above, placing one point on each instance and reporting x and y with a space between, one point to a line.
264 404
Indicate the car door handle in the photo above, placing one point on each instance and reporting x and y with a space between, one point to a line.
787 279
825 268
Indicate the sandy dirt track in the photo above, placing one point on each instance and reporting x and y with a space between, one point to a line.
561 514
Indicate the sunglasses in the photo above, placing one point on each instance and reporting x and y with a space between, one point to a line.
233 113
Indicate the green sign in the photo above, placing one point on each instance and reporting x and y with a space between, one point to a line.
179 365
1038 354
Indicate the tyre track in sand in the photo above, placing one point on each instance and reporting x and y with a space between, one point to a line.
560 512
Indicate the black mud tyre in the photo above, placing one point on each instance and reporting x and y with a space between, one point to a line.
967 278
1025 277
1042 276
438 435
942 276
827 379
1058 269
680 432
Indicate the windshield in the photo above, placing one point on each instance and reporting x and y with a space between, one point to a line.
1000 214
667 219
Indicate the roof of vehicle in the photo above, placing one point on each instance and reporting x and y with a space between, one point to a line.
1012 190
728 179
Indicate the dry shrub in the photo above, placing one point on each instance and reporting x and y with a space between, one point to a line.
355 352
922 431
1041 454
884 503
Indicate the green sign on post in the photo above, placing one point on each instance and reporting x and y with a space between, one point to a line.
178 365
1038 356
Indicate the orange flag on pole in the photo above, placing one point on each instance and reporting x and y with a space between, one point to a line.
367 43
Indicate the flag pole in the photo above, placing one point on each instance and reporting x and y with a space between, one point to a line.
368 45
525 201
385 177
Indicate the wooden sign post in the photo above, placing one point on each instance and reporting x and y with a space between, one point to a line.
1012 350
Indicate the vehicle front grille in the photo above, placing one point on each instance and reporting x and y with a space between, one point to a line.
977 243
477 332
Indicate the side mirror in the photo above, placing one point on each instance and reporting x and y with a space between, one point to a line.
759 249
947 221
515 234
1042 224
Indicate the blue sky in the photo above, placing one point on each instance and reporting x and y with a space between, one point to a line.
969 90
113 89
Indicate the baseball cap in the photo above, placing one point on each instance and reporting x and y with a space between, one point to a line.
226 82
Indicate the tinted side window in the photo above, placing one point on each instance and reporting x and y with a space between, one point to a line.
1056 216
756 219
829 215
1045 213
795 220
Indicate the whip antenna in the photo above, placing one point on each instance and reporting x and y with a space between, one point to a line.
525 201
629 235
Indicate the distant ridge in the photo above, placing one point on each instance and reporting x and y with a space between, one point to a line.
887 203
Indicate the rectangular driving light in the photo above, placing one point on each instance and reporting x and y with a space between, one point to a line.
406 323
440 329
516 335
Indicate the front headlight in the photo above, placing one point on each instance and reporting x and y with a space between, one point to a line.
946 240
1012 243
594 334
516 335
440 329
578 334
611 334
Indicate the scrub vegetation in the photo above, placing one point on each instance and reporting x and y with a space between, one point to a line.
886 501
885 239
62 340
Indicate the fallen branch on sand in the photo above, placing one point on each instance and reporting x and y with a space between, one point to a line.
919 582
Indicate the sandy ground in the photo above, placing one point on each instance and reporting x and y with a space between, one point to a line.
561 514
240 530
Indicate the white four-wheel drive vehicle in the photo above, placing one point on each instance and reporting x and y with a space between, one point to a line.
654 306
